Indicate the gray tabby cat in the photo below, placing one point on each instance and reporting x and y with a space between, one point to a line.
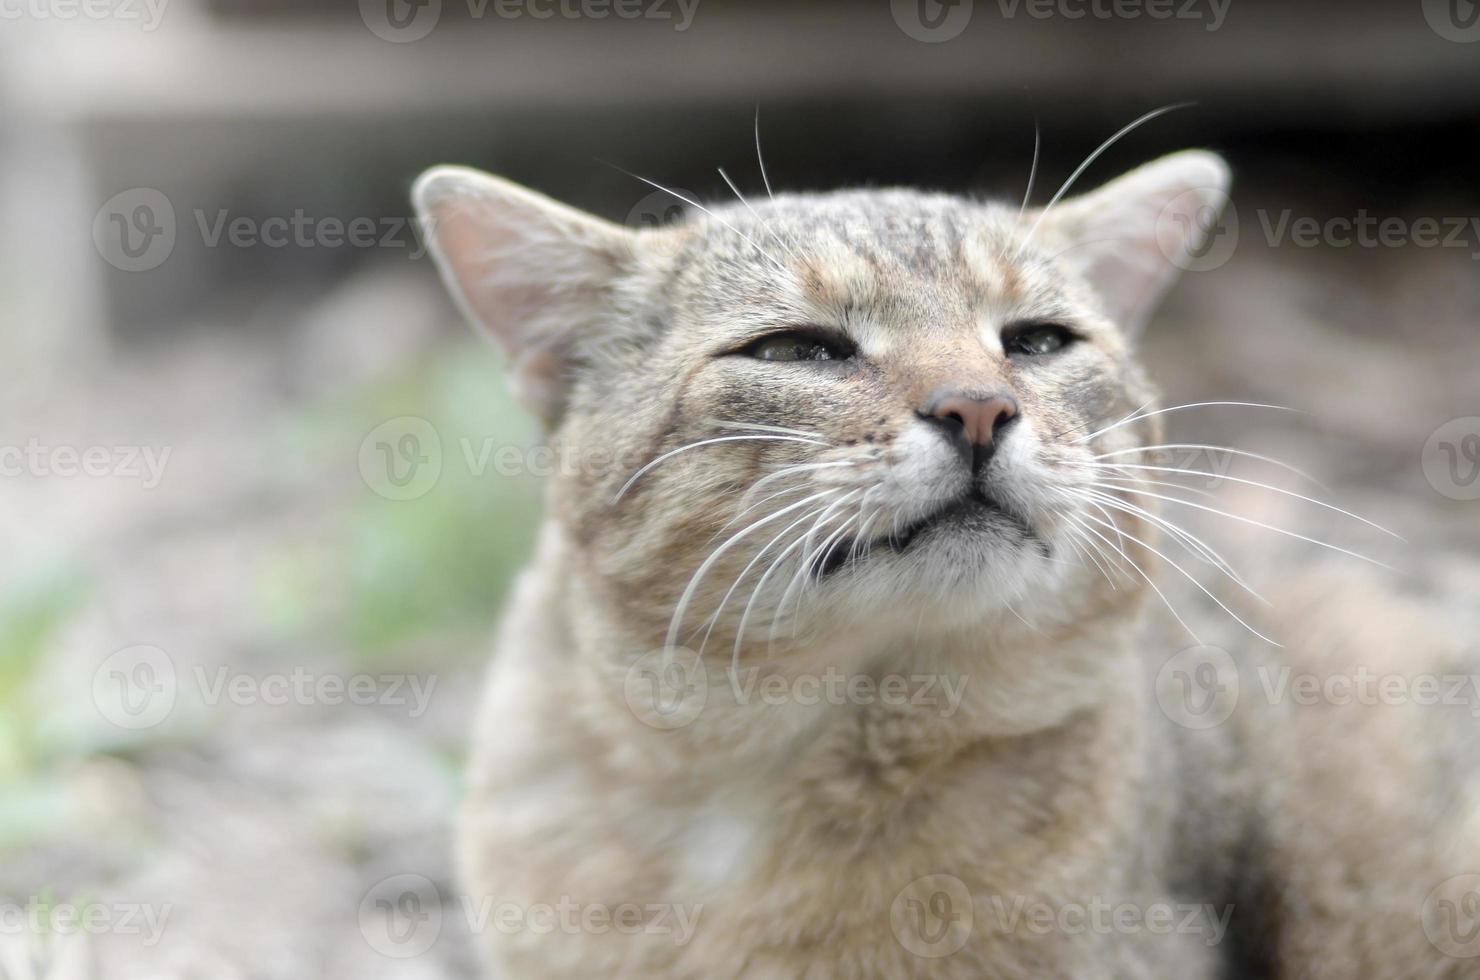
841 654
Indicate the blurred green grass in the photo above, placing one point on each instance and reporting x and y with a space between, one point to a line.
359 580
405 572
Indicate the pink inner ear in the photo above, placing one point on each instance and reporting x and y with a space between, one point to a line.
474 250
531 272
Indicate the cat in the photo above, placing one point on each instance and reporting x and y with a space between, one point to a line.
843 651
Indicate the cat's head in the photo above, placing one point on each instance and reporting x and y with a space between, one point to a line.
872 407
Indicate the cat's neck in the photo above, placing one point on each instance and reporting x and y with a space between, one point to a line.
930 692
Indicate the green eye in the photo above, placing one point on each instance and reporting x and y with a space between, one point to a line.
1036 339
801 345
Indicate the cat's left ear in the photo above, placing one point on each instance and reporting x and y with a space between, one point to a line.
1130 238
534 274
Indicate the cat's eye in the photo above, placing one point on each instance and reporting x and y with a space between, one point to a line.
801 345
1035 339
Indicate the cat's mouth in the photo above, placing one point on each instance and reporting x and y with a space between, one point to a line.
973 512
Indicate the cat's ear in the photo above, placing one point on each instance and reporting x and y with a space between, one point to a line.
1130 238
532 272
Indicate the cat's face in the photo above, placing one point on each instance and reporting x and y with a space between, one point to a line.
833 409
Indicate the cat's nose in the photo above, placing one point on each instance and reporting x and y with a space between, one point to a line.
978 420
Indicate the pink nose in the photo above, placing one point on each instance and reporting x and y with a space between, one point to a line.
979 419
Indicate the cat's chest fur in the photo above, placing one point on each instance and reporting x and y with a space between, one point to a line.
828 854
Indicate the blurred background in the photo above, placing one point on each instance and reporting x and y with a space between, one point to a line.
254 527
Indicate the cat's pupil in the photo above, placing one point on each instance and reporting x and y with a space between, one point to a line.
797 347
1039 340
797 352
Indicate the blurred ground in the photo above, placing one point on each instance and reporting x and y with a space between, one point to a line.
260 831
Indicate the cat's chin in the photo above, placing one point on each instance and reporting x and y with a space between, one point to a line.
975 525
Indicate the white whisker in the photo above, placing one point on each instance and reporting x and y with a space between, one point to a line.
1270 527
1139 571
1064 189
1255 483
1138 415
774 237
715 555
1217 449
692 203
1189 541
707 442
1191 578
759 159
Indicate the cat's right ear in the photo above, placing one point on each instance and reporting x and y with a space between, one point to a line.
533 273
